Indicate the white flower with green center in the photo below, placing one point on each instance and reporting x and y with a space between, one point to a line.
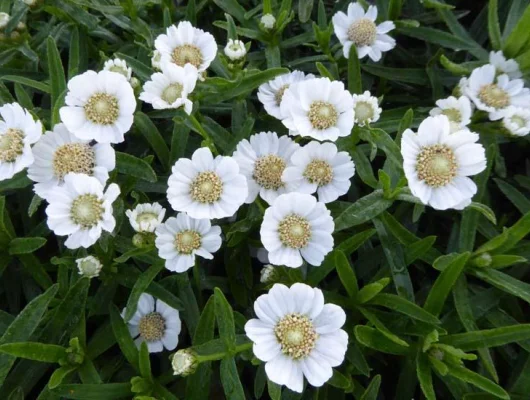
235 49
183 44
494 94
296 228
262 159
99 106
366 108
81 210
318 108
184 362
517 121
171 87
155 323
60 152
357 28
297 335
504 65
458 111
179 240
270 94
438 163
206 187
119 66
146 217
321 168
18 131
89 267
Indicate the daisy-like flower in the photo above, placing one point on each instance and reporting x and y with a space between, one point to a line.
271 93
262 159
81 210
18 131
319 167
495 94
59 152
318 108
180 239
183 44
89 267
119 66
155 323
206 187
517 121
437 163
295 228
357 28
458 111
146 217
504 65
171 87
366 108
184 362
99 106
297 335
235 49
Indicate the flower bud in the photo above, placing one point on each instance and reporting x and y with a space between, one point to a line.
268 274
235 50
4 19
89 266
184 362
483 260
156 59
268 21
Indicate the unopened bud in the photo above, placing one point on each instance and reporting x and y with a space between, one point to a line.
184 362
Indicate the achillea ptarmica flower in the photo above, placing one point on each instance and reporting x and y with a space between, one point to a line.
268 273
184 362
438 163
268 21
18 131
297 335
89 267
262 159
517 121
495 94
295 228
4 19
99 106
119 66
171 87
458 111
320 167
146 217
235 49
318 108
357 28
179 240
155 323
206 187
183 44
504 65
60 152
366 108
81 210
271 93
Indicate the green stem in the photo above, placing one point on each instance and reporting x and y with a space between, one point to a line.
219 356
197 278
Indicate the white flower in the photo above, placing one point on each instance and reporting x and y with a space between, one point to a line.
206 187
99 106
366 108
358 28
318 108
297 335
146 217
437 163
517 121
59 152
119 66
18 131
155 323
235 49
89 267
171 87
183 44
268 273
156 59
460 89
458 111
81 210
4 19
295 228
268 21
505 66
319 167
180 239
262 160
495 94
184 362
271 93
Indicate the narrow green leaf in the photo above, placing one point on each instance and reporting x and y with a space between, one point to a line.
506 260
144 363
225 318
351 244
488 338
494 28
416 76
374 339
363 210
106 391
518 199
59 375
55 68
141 285
129 165
49 353
123 337
27 82
423 371
477 380
274 390
399 304
504 282
373 389
515 43
346 273
150 132
230 380
369 291
354 72
378 324
418 249
304 10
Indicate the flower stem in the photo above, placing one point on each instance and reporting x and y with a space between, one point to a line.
219 356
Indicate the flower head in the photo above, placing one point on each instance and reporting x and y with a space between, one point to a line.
268 273
366 108
184 362
156 60
458 111
297 335
235 50
505 66
146 217
4 19
119 66
267 21
517 121
89 266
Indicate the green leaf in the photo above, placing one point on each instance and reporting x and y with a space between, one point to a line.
340 381
346 273
49 353
504 282
150 132
354 72
26 245
304 10
419 249
477 380
144 363
233 8
225 318
485 210
455 69
363 210
488 338
494 28
516 42
376 322
230 379
399 304
374 339
438 37
518 199
27 82
129 165
506 260
351 244
373 389
385 143
59 375
415 76
57 78
232 34
274 390
106 391
423 371
368 292
141 285
123 337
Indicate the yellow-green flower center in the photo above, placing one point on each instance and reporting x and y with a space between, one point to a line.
172 93
296 335
11 145
362 32
319 172
152 327
294 231
278 96
436 165
518 121
87 210
119 70
73 157
453 114
363 111
187 54
206 188
187 241
268 171
322 115
494 96
148 217
102 109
